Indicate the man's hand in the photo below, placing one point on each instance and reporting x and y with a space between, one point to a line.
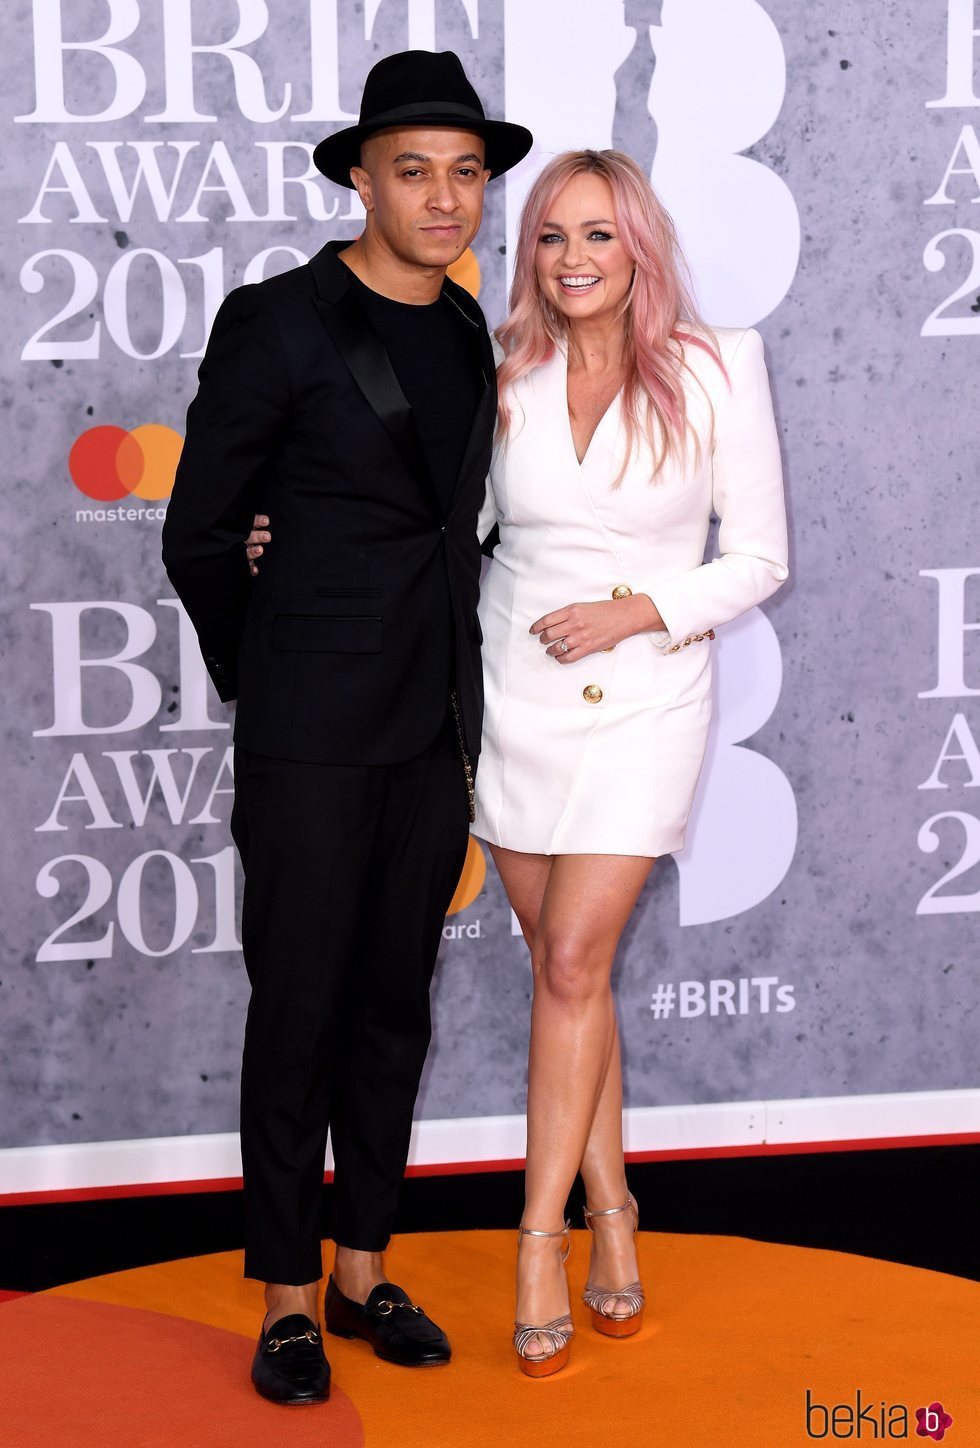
580 629
254 541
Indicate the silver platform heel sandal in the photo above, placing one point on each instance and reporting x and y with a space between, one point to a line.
600 1300
558 1332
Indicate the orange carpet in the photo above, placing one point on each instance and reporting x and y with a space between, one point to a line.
737 1332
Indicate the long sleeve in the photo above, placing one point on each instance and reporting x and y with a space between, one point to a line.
747 496
233 427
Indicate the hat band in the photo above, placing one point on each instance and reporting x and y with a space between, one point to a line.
424 108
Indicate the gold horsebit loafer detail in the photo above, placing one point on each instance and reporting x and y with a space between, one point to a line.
386 1307
275 1343
289 1365
397 1329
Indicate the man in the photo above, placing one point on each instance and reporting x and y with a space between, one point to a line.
355 399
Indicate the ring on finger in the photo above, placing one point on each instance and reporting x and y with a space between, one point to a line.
563 646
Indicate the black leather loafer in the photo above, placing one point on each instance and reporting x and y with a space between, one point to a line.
398 1331
289 1364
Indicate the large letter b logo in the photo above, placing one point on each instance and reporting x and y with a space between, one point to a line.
741 836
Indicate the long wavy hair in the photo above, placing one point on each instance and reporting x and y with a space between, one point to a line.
659 314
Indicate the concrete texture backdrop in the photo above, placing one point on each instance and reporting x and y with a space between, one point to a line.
878 425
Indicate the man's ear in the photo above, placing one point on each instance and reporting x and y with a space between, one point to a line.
362 184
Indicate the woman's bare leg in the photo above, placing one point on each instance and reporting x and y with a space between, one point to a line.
585 903
525 879
603 1171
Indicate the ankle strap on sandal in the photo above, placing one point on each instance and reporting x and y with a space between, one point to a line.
628 1205
564 1233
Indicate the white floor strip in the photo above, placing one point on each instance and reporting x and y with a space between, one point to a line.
478 1139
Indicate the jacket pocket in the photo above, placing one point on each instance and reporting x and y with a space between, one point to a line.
347 592
316 634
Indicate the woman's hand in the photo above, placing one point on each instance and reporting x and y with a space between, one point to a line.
580 629
254 541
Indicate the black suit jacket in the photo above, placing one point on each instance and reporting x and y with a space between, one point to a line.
343 648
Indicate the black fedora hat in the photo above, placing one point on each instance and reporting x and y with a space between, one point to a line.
420 88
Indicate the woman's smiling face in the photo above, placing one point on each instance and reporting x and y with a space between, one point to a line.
581 263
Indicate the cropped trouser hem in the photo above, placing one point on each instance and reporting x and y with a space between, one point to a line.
308 1269
349 871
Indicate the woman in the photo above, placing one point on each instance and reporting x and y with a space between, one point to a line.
624 423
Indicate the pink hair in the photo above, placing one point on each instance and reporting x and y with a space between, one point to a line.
659 312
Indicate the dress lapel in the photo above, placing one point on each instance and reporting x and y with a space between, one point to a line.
598 465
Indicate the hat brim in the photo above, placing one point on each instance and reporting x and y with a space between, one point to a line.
506 143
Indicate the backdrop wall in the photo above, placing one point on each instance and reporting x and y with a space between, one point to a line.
805 970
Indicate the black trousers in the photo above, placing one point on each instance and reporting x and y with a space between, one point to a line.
349 871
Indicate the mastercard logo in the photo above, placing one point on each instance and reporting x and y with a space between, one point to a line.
109 463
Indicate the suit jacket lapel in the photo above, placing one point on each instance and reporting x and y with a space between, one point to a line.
484 421
484 418
368 362
370 366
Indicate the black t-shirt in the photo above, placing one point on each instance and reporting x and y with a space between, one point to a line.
435 359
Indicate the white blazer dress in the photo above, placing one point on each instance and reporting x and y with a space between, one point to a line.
602 756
